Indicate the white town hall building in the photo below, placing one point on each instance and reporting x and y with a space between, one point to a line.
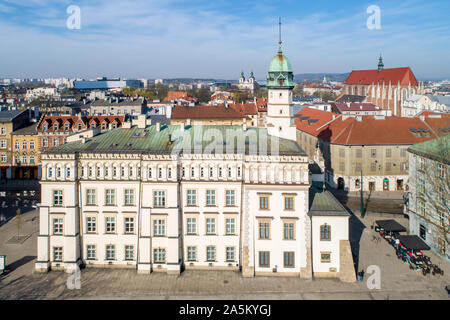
168 198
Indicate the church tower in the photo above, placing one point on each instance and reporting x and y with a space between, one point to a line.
280 83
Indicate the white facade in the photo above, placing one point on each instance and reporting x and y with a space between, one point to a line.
280 114
224 233
416 104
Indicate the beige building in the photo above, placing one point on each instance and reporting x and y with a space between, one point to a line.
372 147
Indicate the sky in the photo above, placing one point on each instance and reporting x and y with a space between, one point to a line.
219 39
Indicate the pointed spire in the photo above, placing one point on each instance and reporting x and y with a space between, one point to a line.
279 40
380 64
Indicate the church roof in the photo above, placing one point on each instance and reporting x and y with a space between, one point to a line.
404 76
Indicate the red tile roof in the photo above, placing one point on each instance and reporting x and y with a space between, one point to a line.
207 113
246 108
394 76
175 95
74 120
370 131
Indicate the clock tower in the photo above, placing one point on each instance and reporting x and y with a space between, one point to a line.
280 83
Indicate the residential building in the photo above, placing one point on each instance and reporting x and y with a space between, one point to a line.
10 120
26 153
118 106
415 104
54 130
359 109
373 147
429 194
209 115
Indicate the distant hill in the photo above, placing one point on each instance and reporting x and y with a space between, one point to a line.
341 77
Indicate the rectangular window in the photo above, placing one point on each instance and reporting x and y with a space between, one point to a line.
288 258
230 254
230 226
90 197
57 197
341 166
423 232
264 230
358 153
110 224
373 153
264 259
110 252
325 232
129 197
230 198
325 257
129 252
191 253
58 226
159 199
341 152
403 152
57 253
211 253
288 203
210 197
91 224
159 227
288 231
110 197
191 197
388 153
129 225
159 255
358 167
210 225
388 166
91 252
421 207
192 225
373 166
264 203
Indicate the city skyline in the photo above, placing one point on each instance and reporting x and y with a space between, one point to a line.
147 39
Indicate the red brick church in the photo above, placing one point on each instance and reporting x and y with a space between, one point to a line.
386 88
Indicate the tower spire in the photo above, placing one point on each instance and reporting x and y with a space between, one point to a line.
380 64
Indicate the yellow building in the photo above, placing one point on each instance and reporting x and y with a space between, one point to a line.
10 120
26 153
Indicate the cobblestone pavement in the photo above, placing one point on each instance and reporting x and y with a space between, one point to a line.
397 280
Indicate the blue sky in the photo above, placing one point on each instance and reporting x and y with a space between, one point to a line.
173 38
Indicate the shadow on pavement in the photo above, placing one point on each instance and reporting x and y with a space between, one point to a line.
18 263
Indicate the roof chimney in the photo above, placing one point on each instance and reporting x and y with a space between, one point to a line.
158 126
182 127
170 139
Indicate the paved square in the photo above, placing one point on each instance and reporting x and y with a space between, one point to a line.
397 280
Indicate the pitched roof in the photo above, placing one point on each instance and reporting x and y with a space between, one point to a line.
325 204
350 98
370 130
10 115
151 141
207 113
74 120
28 130
356 107
436 149
404 76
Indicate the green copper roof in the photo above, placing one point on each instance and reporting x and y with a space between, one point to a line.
280 63
194 139
280 74
325 204
436 149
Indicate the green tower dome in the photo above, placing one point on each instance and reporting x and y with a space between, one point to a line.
280 74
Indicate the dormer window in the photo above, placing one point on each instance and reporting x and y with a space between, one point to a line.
45 127
79 126
55 126
66 127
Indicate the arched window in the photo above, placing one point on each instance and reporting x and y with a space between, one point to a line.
325 232
357 183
